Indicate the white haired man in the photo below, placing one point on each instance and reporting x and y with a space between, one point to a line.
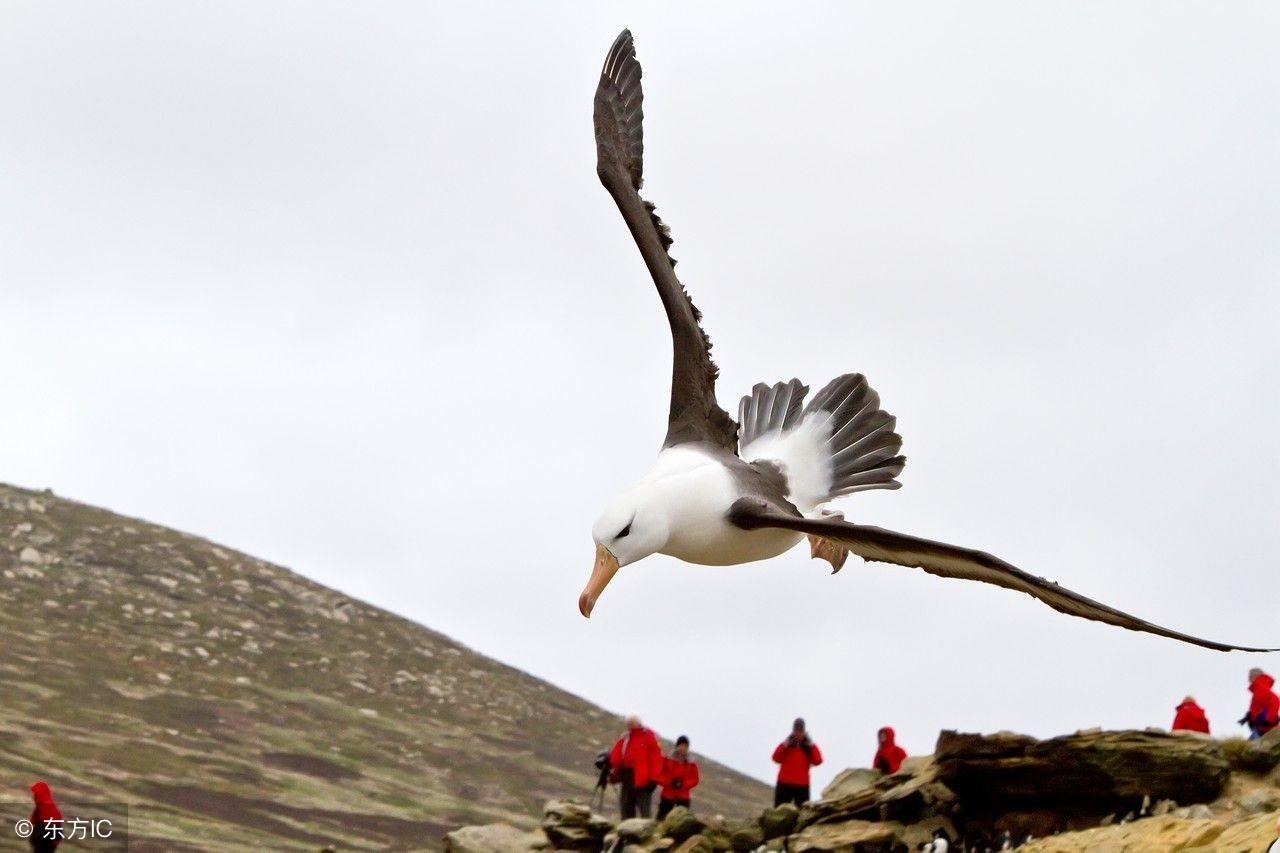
636 765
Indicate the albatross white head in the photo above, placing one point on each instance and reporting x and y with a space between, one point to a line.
634 525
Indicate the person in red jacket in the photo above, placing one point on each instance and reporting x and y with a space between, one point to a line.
679 778
1190 717
636 765
1264 708
795 756
46 820
889 756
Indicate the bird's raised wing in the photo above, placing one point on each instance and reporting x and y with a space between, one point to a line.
695 415
949 561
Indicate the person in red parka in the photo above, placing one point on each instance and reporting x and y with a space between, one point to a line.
46 820
636 765
679 778
1264 708
795 756
1190 717
889 756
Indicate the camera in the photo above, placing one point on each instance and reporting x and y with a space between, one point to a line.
602 765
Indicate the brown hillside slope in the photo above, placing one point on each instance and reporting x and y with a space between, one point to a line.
235 704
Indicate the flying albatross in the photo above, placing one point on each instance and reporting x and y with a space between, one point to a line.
723 493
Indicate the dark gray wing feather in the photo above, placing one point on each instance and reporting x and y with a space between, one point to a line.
619 115
949 561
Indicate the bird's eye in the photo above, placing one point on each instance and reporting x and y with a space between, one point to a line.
625 531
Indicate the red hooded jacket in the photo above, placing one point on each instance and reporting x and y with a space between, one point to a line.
889 756
1190 718
639 752
796 761
45 809
1264 710
683 772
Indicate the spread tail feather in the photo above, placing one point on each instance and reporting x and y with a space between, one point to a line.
770 410
841 442
862 447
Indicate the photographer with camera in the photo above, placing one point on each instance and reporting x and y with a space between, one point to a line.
795 755
679 778
636 765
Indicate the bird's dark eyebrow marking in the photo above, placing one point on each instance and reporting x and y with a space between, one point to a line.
626 529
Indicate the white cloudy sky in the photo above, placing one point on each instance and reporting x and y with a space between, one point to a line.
335 284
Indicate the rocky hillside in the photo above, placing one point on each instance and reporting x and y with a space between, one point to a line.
237 705
1121 792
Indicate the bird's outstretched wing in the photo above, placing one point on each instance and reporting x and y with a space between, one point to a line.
695 415
949 561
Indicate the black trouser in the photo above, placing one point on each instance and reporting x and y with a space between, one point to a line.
665 806
635 800
784 793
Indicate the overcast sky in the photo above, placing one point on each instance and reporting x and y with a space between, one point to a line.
335 284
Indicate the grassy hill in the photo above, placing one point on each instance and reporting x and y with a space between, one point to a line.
235 704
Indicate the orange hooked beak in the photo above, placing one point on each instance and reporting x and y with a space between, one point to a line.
601 573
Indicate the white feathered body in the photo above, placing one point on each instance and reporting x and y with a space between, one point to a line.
696 490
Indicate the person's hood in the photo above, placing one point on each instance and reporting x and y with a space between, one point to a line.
889 737
1188 704
1262 683
41 794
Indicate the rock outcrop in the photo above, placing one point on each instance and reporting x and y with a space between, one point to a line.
1079 777
1160 834
1114 791
1254 756
851 781
848 835
911 795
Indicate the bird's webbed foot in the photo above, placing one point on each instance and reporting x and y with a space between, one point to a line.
822 548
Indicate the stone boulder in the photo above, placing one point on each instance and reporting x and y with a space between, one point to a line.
744 835
566 813
1258 756
572 838
695 844
490 838
718 832
852 836
680 824
912 794
779 822
571 825
636 830
850 781
1088 772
